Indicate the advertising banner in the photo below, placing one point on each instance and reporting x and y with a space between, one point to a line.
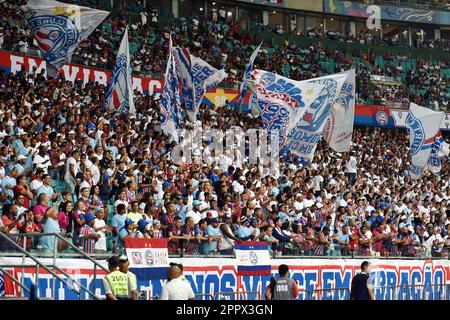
317 277
387 12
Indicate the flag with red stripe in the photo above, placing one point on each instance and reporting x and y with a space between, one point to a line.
253 259
149 258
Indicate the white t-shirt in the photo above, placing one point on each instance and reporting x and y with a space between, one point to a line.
318 179
70 161
308 203
95 174
195 215
101 242
351 165
177 289
42 162
35 184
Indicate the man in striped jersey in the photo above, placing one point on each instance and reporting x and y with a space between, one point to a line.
88 236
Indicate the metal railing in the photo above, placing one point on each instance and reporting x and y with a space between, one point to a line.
331 294
75 285
238 295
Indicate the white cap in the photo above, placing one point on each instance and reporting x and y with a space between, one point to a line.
21 157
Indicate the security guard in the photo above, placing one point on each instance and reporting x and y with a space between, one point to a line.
116 284
283 288
123 267
361 288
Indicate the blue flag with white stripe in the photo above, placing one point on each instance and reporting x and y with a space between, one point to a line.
439 150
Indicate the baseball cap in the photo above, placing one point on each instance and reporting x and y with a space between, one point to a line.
128 222
213 220
90 217
142 223
243 219
155 221
123 258
21 157
196 203
165 184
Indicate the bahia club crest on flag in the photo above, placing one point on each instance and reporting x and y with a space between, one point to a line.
252 259
59 28
439 150
339 126
423 125
119 95
149 258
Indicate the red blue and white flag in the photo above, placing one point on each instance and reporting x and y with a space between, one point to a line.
149 258
303 138
59 28
339 126
247 76
171 100
282 101
119 95
423 125
183 67
253 258
205 77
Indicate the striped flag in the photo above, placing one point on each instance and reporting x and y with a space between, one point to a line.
183 67
439 150
247 76
119 95
423 125
253 259
171 100
149 258
59 28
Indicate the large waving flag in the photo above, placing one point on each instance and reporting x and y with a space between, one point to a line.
119 95
282 101
59 28
439 149
183 66
247 76
423 125
205 77
253 258
149 258
171 101
302 139
339 126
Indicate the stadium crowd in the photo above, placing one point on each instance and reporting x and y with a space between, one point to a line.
222 43
69 167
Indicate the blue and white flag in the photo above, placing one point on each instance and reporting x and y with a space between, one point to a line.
2 285
149 258
423 125
248 76
171 102
282 101
302 139
205 77
59 28
253 259
339 126
183 67
439 150
119 95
